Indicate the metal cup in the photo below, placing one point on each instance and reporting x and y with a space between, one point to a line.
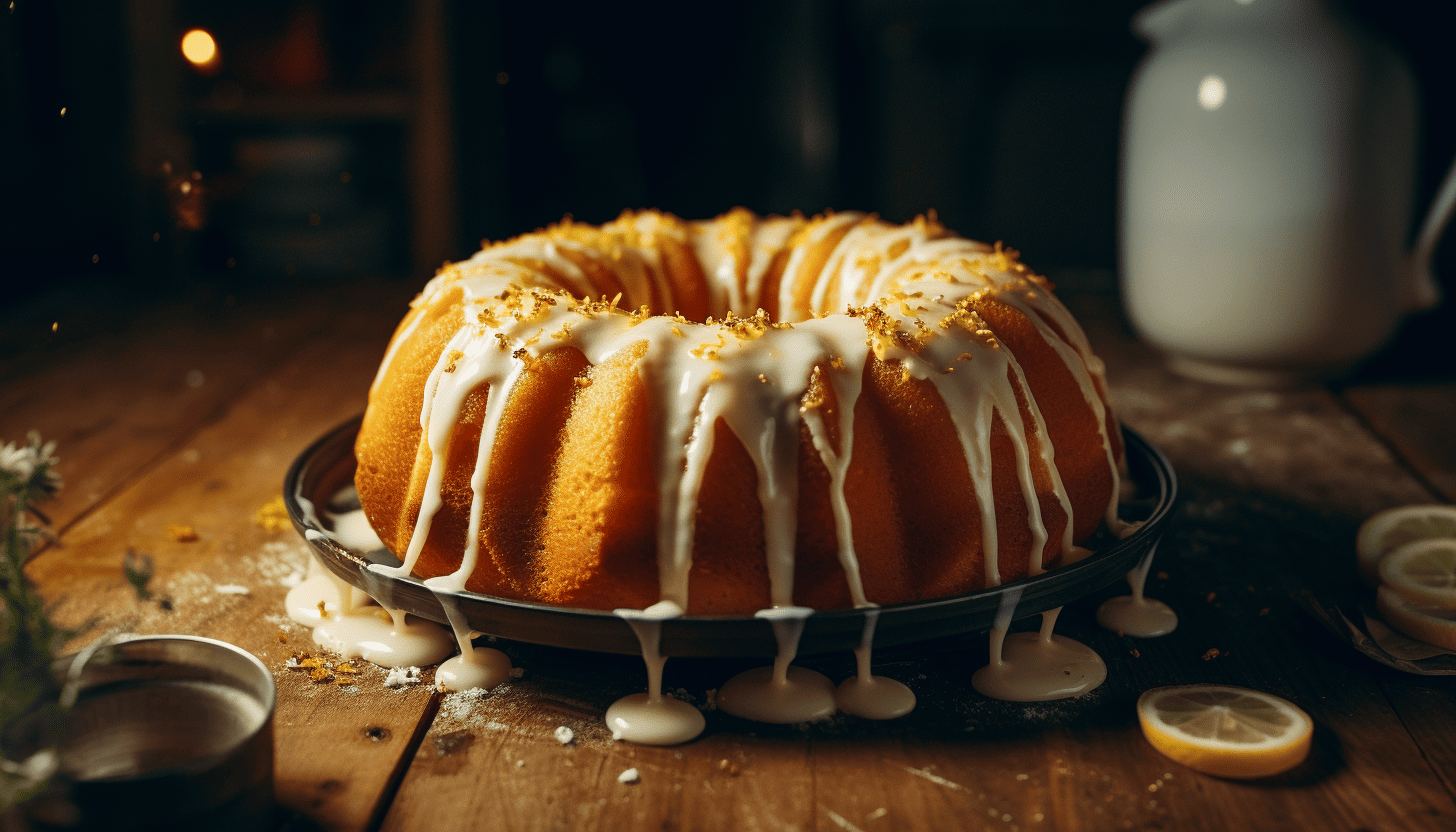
167 732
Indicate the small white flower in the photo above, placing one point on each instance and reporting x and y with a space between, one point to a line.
32 465
17 461
35 768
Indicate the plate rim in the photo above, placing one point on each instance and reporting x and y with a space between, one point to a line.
726 635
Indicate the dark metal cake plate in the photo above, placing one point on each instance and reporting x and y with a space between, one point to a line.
326 469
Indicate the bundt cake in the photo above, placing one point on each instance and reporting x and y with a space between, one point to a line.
735 414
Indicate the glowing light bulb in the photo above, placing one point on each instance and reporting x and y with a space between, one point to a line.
199 48
1211 92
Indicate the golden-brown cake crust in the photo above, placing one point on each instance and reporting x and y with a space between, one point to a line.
845 412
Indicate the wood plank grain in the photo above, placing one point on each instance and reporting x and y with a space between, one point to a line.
1415 418
1428 707
338 748
492 761
144 375
1273 486
1297 445
1074 765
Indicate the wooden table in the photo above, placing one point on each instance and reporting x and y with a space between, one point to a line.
185 408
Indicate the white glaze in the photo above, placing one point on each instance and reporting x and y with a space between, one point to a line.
1037 667
662 721
359 623
524 295
474 667
782 693
1136 614
523 299
872 697
651 718
388 638
481 667
352 530
319 591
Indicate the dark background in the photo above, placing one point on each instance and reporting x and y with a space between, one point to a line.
1002 116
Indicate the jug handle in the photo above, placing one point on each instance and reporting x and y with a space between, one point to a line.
1424 292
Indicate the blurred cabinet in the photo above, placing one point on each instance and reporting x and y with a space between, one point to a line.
318 141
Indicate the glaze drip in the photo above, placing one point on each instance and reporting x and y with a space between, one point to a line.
651 718
1136 614
906 296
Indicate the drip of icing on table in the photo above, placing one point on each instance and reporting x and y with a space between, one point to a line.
347 621
1036 667
474 667
651 718
781 693
872 697
1136 614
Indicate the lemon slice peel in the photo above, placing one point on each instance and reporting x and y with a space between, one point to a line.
1385 531
1423 571
1432 625
1226 731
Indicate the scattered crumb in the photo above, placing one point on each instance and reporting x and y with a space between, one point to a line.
1213 653
629 776
730 767
1023 777
231 589
402 677
520 764
711 700
324 671
518 672
182 533
459 707
877 814
1134 652
1264 611
1211 596
1162 576
273 516
564 735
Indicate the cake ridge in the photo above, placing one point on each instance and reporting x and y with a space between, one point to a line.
911 297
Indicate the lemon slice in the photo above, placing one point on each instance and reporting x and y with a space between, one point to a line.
1432 625
1382 533
1423 571
1225 731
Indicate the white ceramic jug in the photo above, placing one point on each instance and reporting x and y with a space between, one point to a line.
1268 158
